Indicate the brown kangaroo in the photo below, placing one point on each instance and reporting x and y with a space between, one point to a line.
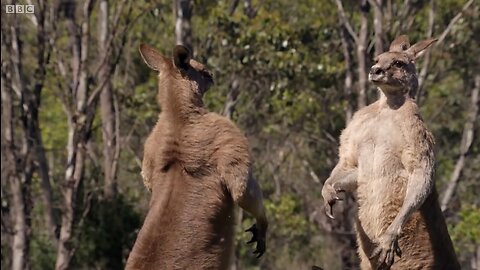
197 165
386 156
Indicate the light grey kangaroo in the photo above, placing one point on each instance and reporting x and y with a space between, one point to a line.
386 157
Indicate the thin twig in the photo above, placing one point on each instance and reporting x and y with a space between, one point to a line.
453 22
424 71
346 23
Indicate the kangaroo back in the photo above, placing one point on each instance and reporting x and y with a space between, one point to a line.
189 224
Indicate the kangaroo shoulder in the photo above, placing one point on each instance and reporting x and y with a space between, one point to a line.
359 119
225 130
229 141
364 113
414 126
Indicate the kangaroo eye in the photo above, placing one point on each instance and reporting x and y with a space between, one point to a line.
206 74
398 64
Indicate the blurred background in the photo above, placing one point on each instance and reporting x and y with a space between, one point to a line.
78 103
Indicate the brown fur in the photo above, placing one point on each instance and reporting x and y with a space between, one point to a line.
386 157
197 165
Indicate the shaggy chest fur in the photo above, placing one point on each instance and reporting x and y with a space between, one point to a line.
382 178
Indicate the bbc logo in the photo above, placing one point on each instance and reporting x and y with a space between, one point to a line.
20 9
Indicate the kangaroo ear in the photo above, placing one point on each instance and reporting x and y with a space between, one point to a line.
400 44
152 57
181 57
419 48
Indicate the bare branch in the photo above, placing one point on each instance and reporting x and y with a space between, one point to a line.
183 25
96 92
113 34
348 83
361 55
233 7
378 24
345 22
453 22
19 166
137 158
116 156
232 96
312 173
424 71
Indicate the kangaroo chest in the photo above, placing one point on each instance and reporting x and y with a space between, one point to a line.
382 178
379 146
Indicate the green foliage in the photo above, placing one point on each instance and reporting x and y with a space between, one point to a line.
43 252
466 233
54 120
289 232
292 227
107 234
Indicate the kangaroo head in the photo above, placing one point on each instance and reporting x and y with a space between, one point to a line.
394 71
180 77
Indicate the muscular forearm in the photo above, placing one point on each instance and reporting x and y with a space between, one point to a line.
343 179
252 201
419 187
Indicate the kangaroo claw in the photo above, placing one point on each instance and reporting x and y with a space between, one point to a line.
259 237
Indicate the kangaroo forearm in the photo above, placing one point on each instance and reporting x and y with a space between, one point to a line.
252 201
244 189
419 187
257 210
343 180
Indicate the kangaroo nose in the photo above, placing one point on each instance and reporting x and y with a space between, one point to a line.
376 70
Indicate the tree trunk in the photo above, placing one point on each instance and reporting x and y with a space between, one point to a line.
20 153
32 154
79 127
232 96
378 25
21 227
229 109
43 171
426 62
43 57
20 211
110 141
74 175
107 110
361 55
347 88
81 112
183 24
